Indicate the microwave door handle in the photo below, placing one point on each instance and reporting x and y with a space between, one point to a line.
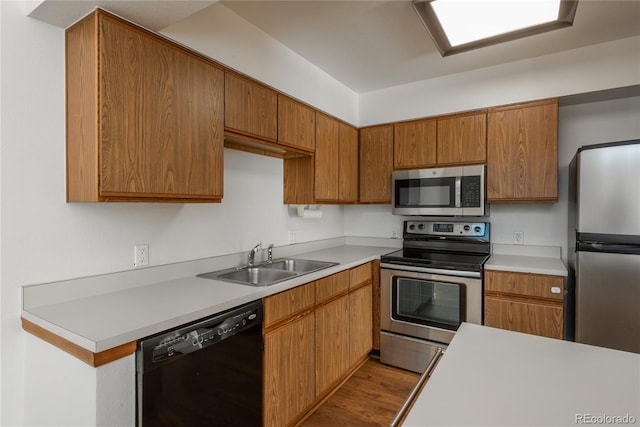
458 182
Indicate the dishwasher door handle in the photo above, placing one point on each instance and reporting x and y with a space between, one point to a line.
402 413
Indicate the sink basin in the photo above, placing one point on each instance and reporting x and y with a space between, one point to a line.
256 276
268 273
301 266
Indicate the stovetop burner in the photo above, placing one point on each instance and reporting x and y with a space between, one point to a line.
455 246
441 260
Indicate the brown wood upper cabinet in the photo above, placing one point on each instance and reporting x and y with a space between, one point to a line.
251 109
296 124
144 116
376 164
445 141
462 139
414 144
522 152
336 161
327 166
348 160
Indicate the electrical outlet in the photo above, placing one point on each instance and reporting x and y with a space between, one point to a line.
140 255
396 233
293 237
518 237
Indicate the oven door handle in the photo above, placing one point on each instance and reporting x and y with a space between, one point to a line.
402 413
457 273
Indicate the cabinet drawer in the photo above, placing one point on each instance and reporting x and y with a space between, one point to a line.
332 286
544 319
288 303
529 285
360 276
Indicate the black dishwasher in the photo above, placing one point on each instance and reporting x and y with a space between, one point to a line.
206 373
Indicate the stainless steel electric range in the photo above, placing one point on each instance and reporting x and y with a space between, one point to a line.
429 287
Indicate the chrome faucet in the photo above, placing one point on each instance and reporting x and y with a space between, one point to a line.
252 254
270 253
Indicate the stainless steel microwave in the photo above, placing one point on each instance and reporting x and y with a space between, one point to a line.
448 191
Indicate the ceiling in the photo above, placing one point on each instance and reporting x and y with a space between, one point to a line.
370 45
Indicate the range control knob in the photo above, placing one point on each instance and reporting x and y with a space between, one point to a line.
467 227
421 227
477 229
412 227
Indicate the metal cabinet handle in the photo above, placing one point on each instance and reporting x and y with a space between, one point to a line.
414 393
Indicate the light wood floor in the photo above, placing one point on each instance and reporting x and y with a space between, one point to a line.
371 397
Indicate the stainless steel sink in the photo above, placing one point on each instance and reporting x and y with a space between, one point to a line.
301 266
268 273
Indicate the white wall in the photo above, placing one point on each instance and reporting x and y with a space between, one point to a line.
593 68
543 224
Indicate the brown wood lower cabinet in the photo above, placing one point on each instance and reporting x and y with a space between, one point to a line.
529 303
315 336
332 344
360 324
530 317
289 380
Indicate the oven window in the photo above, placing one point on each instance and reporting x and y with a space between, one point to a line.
428 302
425 192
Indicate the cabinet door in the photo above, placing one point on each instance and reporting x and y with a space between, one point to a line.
462 139
327 158
161 117
348 164
250 108
376 164
360 324
522 152
530 317
296 124
414 144
332 343
289 359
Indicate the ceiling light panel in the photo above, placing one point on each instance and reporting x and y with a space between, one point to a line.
461 25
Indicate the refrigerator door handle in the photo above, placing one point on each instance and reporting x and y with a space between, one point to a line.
612 248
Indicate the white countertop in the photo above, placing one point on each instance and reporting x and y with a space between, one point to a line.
494 377
104 321
526 259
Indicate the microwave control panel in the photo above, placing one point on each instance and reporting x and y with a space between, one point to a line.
470 191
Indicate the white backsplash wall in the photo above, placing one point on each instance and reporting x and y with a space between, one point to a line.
371 221
543 224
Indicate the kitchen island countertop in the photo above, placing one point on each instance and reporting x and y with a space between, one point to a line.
494 377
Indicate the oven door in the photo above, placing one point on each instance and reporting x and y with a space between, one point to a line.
427 305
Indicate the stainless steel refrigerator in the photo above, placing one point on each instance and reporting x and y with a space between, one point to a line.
604 248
